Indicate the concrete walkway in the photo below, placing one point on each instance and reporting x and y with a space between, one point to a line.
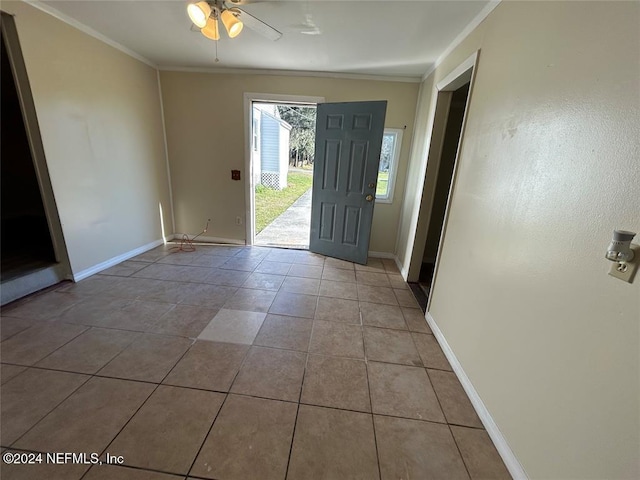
291 228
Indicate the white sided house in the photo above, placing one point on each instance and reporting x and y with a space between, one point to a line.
270 146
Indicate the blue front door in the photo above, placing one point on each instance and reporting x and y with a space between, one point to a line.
345 172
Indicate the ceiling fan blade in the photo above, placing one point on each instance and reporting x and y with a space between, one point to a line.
258 25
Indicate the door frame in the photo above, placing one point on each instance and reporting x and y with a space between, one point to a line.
459 76
62 268
249 98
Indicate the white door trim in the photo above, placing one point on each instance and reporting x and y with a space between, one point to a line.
249 98
463 73
460 75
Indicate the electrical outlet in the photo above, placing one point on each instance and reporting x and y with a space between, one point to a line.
631 267
238 220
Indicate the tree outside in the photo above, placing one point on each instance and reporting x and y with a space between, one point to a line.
303 134
386 153
386 156
270 203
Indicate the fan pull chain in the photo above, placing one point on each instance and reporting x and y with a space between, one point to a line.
217 59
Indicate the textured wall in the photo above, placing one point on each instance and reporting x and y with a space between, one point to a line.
101 123
549 167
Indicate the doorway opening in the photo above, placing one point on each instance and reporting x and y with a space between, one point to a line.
26 243
447 136
450 142
33 255
282 148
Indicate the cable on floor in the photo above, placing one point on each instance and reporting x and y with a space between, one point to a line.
186 243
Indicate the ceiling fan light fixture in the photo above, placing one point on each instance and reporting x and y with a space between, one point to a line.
199 13
231 23
211 29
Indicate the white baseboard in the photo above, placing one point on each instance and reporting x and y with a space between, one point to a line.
508 457
403 271
382 255
232 241
115 260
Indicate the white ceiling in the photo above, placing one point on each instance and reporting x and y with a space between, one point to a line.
391 38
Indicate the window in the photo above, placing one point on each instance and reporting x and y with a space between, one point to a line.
391 143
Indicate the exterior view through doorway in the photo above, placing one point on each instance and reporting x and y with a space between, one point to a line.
312 175
282 145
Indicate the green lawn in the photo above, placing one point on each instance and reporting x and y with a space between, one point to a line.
271 203
383 182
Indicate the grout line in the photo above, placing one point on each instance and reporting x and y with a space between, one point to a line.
132 467
373 422
142 297
375 441
142 469
422 420
86 329
464 461
195 339
224 392
453 424
220 410
50 411
293 436
447 422
375 414
157 385
243 363
295 422
204 440
18 332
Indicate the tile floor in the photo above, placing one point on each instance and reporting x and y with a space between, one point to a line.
236 363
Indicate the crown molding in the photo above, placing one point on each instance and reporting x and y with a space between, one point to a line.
253 71
471 26
291 73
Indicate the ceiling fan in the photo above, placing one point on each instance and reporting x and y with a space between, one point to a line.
205 16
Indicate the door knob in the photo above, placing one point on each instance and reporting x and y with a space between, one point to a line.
369 198
372 185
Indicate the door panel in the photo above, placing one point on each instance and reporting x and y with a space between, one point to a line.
348 143
328 221
357 161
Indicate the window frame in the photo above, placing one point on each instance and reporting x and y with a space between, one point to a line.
255 132
393 166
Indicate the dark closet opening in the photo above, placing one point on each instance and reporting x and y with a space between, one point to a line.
25 238
453 131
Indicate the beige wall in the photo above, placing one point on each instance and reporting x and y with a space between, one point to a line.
548 168
100 118
205 133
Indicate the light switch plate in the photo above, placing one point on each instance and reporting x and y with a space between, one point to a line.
632 267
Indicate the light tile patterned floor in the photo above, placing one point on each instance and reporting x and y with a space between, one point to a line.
236 363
